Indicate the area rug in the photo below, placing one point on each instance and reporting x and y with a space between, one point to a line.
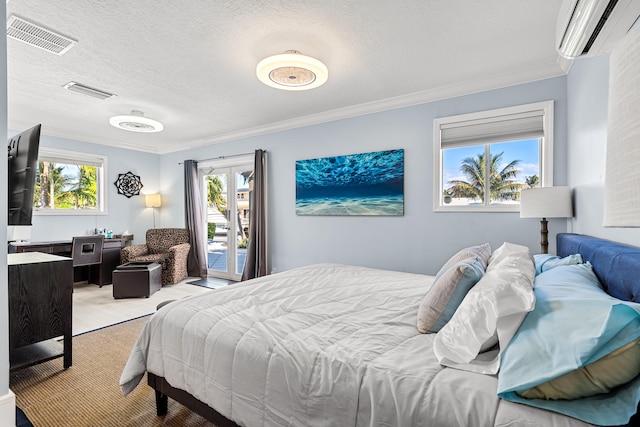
87 393
211 282
95 307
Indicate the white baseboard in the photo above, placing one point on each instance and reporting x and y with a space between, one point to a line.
8 410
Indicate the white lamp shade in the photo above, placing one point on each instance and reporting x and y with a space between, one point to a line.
17 233
622 171
546 202
153 200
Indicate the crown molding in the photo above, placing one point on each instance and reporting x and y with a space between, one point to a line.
527 75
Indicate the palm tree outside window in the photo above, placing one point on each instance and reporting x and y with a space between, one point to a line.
69 182
494 179
482 161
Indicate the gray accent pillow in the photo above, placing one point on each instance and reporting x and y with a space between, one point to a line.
481 252
447 292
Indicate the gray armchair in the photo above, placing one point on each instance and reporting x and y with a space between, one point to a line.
169 247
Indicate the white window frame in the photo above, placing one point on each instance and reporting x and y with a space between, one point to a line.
491 117
73 157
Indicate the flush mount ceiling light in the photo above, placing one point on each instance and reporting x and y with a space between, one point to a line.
292 71
136 122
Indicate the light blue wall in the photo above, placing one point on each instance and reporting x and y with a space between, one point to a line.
123 214
406 243
421 240
588 93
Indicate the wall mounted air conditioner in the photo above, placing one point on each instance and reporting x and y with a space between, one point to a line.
590 27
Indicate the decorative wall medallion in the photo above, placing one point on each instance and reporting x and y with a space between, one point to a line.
128 184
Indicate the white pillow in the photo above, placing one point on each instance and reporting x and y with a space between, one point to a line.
493 308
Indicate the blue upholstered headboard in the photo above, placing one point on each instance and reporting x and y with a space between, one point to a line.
616 265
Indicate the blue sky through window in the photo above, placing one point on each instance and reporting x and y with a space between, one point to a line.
527 151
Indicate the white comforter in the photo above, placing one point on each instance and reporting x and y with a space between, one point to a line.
323 345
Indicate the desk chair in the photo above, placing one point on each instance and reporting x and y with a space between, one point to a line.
87 251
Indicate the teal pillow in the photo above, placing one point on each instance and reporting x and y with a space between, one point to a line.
546 262
447 292
573 324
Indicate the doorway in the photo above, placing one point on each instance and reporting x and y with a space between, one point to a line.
226 209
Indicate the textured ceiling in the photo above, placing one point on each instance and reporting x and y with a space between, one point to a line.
191 64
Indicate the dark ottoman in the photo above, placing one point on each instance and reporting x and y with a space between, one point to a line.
136 279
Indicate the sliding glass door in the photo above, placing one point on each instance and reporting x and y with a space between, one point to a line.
227 216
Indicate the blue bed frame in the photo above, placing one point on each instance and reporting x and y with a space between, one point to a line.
616 265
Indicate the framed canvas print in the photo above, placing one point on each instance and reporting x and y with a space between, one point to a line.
355 184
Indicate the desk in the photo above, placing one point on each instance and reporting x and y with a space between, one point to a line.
40 299
99 274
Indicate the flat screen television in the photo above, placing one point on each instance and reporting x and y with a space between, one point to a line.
23 162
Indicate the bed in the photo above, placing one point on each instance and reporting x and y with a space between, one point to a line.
337 345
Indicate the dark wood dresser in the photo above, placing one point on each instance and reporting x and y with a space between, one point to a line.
40 308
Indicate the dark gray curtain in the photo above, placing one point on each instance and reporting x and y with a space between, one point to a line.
197 260
255 264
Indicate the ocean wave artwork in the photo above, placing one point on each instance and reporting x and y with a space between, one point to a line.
354 184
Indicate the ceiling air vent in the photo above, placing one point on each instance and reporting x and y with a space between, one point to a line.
40 37
87 90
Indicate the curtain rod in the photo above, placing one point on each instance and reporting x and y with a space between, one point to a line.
221 157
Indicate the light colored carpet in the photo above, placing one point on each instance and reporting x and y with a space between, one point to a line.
87 394
95 308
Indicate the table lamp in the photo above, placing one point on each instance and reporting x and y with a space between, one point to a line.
153 201
545 202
